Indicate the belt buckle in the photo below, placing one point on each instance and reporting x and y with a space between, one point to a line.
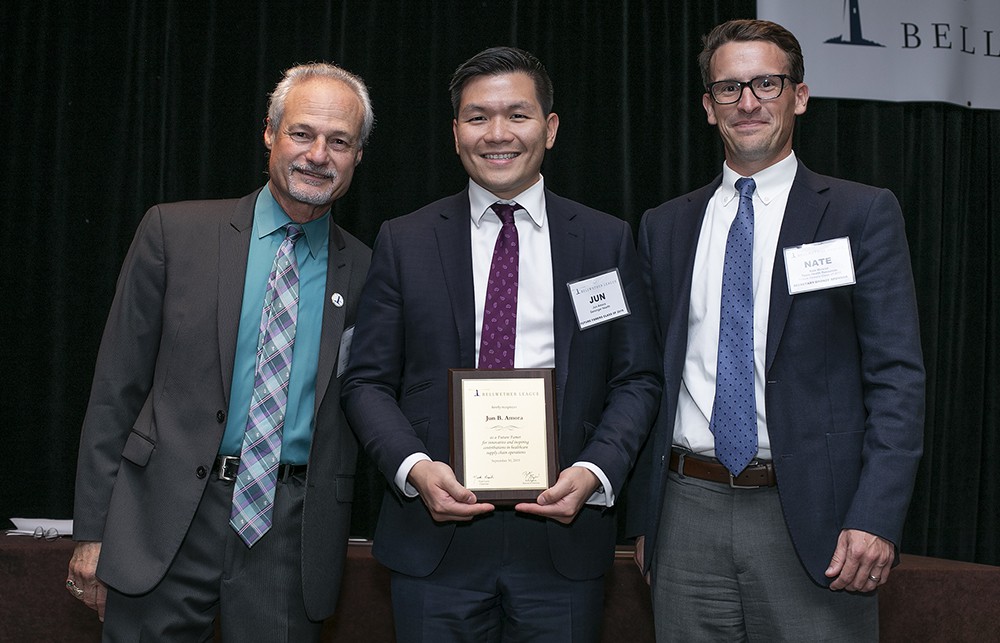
732 480
229 466
733 485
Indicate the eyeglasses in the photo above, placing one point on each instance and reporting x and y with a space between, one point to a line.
727 92
48 534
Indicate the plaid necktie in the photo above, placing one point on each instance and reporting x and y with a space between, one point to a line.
253 493
496 345
734 416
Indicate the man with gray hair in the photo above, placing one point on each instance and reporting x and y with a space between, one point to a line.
216 468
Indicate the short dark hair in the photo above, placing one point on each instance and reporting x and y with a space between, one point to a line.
750 30
502 60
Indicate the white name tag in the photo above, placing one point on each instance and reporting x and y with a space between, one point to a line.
820 265
598 299
345 350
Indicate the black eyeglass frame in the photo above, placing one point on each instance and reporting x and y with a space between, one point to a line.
744 84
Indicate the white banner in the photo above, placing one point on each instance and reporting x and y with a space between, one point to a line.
897 50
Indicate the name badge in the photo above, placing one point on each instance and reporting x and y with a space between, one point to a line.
345 350
598 299
820 265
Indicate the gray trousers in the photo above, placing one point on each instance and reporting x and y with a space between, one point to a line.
255 592
725 570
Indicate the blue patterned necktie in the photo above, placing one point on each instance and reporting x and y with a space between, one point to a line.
496 344
253 493
734 416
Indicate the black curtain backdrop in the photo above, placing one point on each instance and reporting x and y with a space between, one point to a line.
110 107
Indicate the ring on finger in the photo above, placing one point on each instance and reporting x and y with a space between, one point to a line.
873 579
71 586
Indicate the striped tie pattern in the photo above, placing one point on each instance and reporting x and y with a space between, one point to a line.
253 493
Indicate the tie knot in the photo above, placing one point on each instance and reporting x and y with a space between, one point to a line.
505 211
293 232
746 187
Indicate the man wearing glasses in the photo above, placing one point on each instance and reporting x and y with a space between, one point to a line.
790 429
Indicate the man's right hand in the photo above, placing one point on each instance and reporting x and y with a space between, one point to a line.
83 573
440 490
639 555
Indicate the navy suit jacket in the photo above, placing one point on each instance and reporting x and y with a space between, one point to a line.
161 390
844 390
417 319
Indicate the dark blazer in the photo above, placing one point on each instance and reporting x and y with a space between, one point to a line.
844 389
417 319
161 391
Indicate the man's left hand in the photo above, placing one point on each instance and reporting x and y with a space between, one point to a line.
861 562
563 500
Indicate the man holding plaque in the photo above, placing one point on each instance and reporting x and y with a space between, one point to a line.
790 430
503 275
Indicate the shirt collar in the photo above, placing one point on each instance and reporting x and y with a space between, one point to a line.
268 218
531 201
771 181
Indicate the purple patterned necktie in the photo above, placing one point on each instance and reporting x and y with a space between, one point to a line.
253 493
734 416
496 346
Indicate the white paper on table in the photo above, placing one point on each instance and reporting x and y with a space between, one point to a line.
27 526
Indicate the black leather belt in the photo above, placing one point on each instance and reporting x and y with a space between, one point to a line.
227 466
759 473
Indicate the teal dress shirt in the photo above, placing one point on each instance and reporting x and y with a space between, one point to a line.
311 252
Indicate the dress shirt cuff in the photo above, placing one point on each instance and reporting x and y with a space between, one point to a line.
404 472
605 495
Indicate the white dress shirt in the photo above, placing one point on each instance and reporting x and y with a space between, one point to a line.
534 343
697 389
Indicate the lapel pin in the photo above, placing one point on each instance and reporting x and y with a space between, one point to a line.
337 299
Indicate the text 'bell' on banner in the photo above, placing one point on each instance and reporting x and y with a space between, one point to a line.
897 50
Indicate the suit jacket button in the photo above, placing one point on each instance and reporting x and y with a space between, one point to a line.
201 472
220 416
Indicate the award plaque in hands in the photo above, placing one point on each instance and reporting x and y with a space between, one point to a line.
503 432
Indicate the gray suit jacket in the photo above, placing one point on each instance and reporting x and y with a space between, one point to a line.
161 391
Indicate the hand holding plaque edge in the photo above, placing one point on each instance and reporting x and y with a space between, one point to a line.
444 497
563 500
